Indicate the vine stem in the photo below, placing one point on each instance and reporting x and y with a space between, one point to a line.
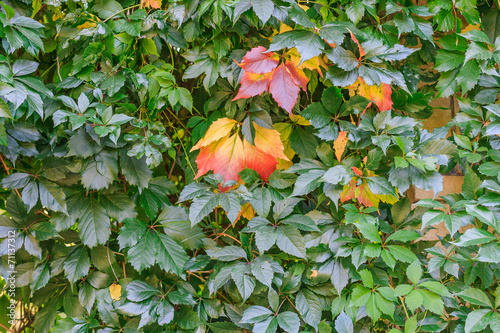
111 265
404 307
121 11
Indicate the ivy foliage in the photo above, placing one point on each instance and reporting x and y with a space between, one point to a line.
245 166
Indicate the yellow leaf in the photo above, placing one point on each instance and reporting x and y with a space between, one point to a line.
470 27
339 145
285 131
115 290
284 164
284 28
298 119
216 131
268 141
86 25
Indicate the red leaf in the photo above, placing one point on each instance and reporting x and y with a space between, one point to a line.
283 88
253 84
259 161
297 74
225 157
258 61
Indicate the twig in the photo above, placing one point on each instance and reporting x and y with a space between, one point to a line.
111 265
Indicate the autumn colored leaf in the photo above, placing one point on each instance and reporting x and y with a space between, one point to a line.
361 51
219 129
339 145
253 84
224 157
258 61
246 211
285 85
262 73
156 4
268 141
380 95
259 161
115 291
314 63
363 193
228 155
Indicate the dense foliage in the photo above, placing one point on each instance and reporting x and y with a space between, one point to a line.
237 166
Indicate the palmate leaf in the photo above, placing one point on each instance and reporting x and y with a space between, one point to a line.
93 222
262 73
229 155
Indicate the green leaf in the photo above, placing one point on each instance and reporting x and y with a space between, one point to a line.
447 83
270 325
402 253
491 23
468 76
142 254
131 231
230 253
77 264
477 320
475 236
367 278
303 143
307 182
138 291
317 115
343 324
483 214
301 222
255 313
202 206
244 282
436 287
100 172
135 170
289 321
369 231
4 110
263 9
380 185
344 59
290 241
476 297
263 271
448 60
93 223
403 236
355 11
261 201
40 277
171 256
414 272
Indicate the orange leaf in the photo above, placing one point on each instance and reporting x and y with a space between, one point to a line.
339 145
253 84
151 4
225 157
361 51
246 211
219 129
312 64
258 61
259 161
380 95
269 142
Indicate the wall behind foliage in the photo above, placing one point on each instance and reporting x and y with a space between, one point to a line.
247 166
